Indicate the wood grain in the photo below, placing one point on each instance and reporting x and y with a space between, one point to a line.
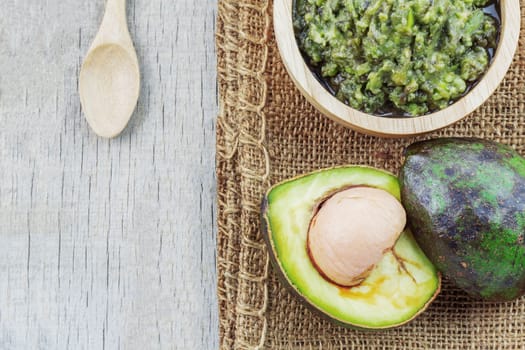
325 102
107 244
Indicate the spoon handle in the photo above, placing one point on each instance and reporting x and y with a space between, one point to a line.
116 9
114 27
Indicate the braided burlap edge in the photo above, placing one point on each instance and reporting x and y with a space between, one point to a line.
241 132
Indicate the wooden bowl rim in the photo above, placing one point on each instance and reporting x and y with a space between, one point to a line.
330 106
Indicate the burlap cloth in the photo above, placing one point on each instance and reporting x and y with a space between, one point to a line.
268 132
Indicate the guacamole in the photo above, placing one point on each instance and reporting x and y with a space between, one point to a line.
397 57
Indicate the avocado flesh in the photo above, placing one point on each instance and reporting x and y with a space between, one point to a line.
465 200
399 287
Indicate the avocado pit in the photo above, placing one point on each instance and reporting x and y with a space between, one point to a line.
351 231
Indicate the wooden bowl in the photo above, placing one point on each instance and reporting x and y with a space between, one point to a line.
329 105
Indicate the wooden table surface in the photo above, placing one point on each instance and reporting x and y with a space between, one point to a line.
107 244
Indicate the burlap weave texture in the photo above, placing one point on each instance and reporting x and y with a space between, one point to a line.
268 132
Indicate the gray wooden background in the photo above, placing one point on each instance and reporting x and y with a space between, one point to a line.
107 244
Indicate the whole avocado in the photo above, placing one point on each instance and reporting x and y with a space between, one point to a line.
465 201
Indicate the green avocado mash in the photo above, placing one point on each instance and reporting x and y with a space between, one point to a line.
397 57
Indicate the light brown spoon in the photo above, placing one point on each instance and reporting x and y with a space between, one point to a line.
109 81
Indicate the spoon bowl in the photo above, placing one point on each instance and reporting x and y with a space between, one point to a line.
109 88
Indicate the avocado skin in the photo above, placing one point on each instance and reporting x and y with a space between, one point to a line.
465 201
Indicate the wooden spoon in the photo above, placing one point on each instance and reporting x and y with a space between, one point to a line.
109 81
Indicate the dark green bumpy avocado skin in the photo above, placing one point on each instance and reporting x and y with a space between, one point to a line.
465 201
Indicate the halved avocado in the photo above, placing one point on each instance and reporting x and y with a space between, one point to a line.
400 286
